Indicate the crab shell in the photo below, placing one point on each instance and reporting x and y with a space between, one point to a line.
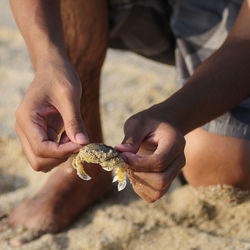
106 156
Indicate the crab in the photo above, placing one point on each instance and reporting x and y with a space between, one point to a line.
106 156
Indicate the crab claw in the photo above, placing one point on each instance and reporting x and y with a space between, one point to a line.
120 176
122 185
115 179
83 175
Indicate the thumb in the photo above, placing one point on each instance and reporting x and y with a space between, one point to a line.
73 122
135 132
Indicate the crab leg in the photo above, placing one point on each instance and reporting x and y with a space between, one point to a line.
80 170
120 176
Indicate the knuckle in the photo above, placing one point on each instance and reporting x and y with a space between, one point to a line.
67 87
151 200
181 142
128 123
22 115
157 195
134 120
62 156
45 170
154 197
160 164
66 90
136 165
183 161
18 114
37 151
162 183
69 90
74 122
36 165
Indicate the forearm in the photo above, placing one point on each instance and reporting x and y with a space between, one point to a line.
40 24
220 83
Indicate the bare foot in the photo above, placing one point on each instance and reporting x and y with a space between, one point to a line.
58 203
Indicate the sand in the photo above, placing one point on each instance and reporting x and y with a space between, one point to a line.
209 218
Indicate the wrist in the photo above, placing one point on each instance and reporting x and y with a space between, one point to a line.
57 69
50 55
173 113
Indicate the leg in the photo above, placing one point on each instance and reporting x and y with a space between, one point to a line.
62 198
215 159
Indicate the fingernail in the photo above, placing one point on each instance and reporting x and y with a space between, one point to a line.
128 154
81 138
124 147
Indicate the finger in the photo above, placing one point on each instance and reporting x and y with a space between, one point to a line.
54 120
151 186
138 189
164 154
52 134
143 163
147 193
162 180
156 181
34 128
170 141
169 145
37 163
127 147
45 148
73 122
134 135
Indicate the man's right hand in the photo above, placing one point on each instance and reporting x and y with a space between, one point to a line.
51 105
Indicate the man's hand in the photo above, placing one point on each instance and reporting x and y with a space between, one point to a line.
50 106
154 152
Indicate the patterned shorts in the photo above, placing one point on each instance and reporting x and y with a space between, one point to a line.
184 33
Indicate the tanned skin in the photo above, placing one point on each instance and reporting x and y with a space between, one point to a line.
220 83
154 143
66 80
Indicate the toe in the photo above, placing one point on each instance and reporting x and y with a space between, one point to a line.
4 224
26 236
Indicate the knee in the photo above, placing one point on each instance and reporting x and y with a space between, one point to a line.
214 159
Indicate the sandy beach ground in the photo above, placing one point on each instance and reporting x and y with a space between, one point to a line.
187 219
